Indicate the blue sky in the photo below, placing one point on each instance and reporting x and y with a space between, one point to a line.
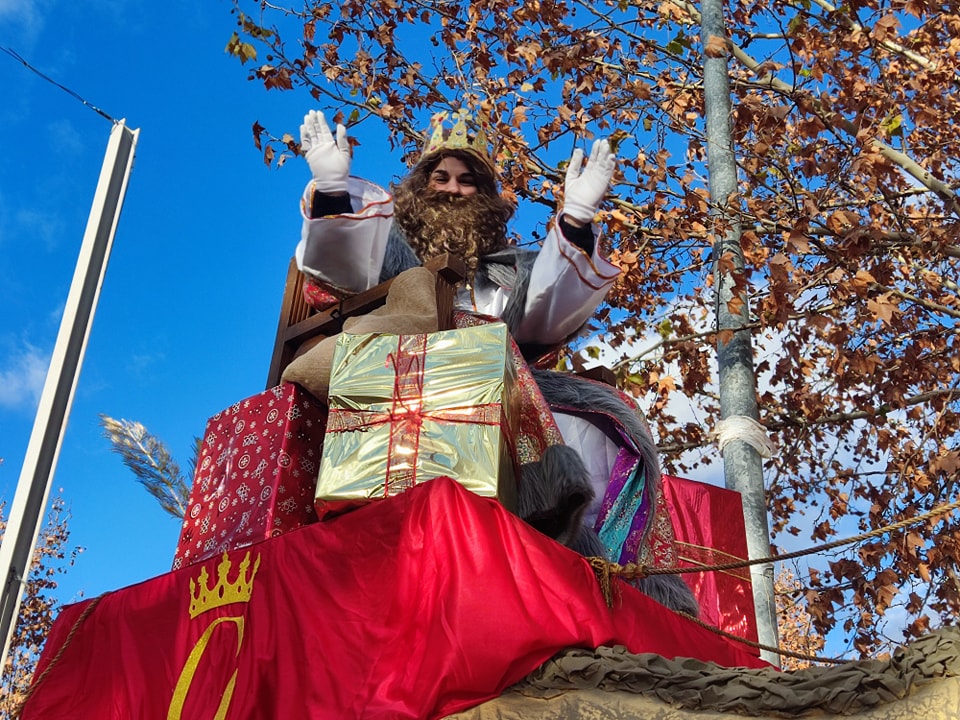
189 305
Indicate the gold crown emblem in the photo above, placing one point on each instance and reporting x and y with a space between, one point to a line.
203 598
467 134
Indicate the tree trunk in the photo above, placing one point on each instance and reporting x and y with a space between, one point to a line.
738 397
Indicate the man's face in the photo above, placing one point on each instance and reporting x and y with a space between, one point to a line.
451 175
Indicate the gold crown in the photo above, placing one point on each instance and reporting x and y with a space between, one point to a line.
466 134
203 598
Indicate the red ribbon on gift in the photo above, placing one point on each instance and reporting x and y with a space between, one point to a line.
407 415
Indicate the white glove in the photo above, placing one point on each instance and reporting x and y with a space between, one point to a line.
329 159
584 188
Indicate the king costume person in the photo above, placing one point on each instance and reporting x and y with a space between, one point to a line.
596 484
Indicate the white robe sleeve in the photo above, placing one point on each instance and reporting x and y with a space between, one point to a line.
346 251
566 286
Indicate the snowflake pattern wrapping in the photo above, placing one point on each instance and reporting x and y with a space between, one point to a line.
256 473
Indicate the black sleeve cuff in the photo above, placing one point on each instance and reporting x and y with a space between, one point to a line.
322 205
582 237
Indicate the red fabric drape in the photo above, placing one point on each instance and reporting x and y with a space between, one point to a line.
709 530
412 607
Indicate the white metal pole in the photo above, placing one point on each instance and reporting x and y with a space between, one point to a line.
39 464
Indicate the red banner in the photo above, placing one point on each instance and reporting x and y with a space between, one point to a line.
709 529
417 606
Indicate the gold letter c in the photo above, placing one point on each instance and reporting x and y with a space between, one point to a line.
190 669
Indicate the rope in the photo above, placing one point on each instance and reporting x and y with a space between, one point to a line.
745 428
635 571
56 658
760 646
606 570
602 569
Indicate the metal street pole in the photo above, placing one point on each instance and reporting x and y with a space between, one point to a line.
36 476
742 466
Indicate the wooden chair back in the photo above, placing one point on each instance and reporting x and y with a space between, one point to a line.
299 322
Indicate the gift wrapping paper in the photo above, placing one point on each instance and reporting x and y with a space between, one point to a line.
408 408
256 473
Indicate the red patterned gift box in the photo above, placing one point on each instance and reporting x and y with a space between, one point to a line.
255 475
408 408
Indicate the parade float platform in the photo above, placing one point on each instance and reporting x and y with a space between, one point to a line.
430 604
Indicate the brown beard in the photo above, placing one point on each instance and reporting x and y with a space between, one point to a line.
437 222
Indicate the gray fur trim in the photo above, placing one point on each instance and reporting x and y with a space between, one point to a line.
399 255
569 391
564 390
670 591
503 266
554 493
588 543
518 281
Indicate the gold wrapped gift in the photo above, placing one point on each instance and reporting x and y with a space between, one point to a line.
408 408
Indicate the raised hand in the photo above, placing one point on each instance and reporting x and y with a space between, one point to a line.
329 158
585 187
